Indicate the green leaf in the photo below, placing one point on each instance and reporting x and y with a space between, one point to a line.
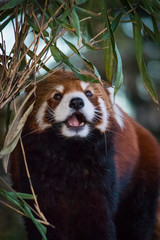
71 46
114 25
108 25
42 229
59 56
65 25
87 63
76 24
22 65
23 195
13 197
56 54
18 195
4 24
86 12
119 76
109 61
10 147
89 46
14 131
5 14
32 24
137 25
11 4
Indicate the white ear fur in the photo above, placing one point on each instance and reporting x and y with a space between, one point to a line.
111 91
117 111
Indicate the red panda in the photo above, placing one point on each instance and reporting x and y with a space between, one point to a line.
94 169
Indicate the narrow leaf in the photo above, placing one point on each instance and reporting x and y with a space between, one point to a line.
119 76
4 24
87 63
108 25
59 56
114 25
76 21
86 12
137 25
11 4
109 61
42 229
14 132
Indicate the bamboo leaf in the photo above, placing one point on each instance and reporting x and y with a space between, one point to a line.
89 46
11 4
141 64
4 24
65 25
18 195
14 198
109 61
22 65
32 24
23 195
9 148
114 25
86 12
87 63
59 56
42 229
119 77
108 25
71 46
56 53
14 132
76 24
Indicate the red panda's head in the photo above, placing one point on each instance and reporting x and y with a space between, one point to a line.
77 107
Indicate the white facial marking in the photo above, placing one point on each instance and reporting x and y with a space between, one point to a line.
63 111
118 116
84 85
71 133
103 126
40 115
59 88
111 90
117 111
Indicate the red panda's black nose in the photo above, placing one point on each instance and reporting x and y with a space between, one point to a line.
76 103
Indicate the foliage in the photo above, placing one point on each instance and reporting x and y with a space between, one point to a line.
50 21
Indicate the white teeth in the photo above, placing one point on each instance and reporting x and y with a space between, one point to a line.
82 124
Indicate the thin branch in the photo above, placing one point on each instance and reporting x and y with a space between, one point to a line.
30 182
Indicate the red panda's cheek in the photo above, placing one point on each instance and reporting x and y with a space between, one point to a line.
40 119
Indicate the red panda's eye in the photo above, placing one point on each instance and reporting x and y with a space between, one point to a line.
88 93
57 96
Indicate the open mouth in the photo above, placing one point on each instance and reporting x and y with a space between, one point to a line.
76 120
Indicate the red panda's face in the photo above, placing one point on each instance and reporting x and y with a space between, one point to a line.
77 107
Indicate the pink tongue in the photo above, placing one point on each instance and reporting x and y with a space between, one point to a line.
73 122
